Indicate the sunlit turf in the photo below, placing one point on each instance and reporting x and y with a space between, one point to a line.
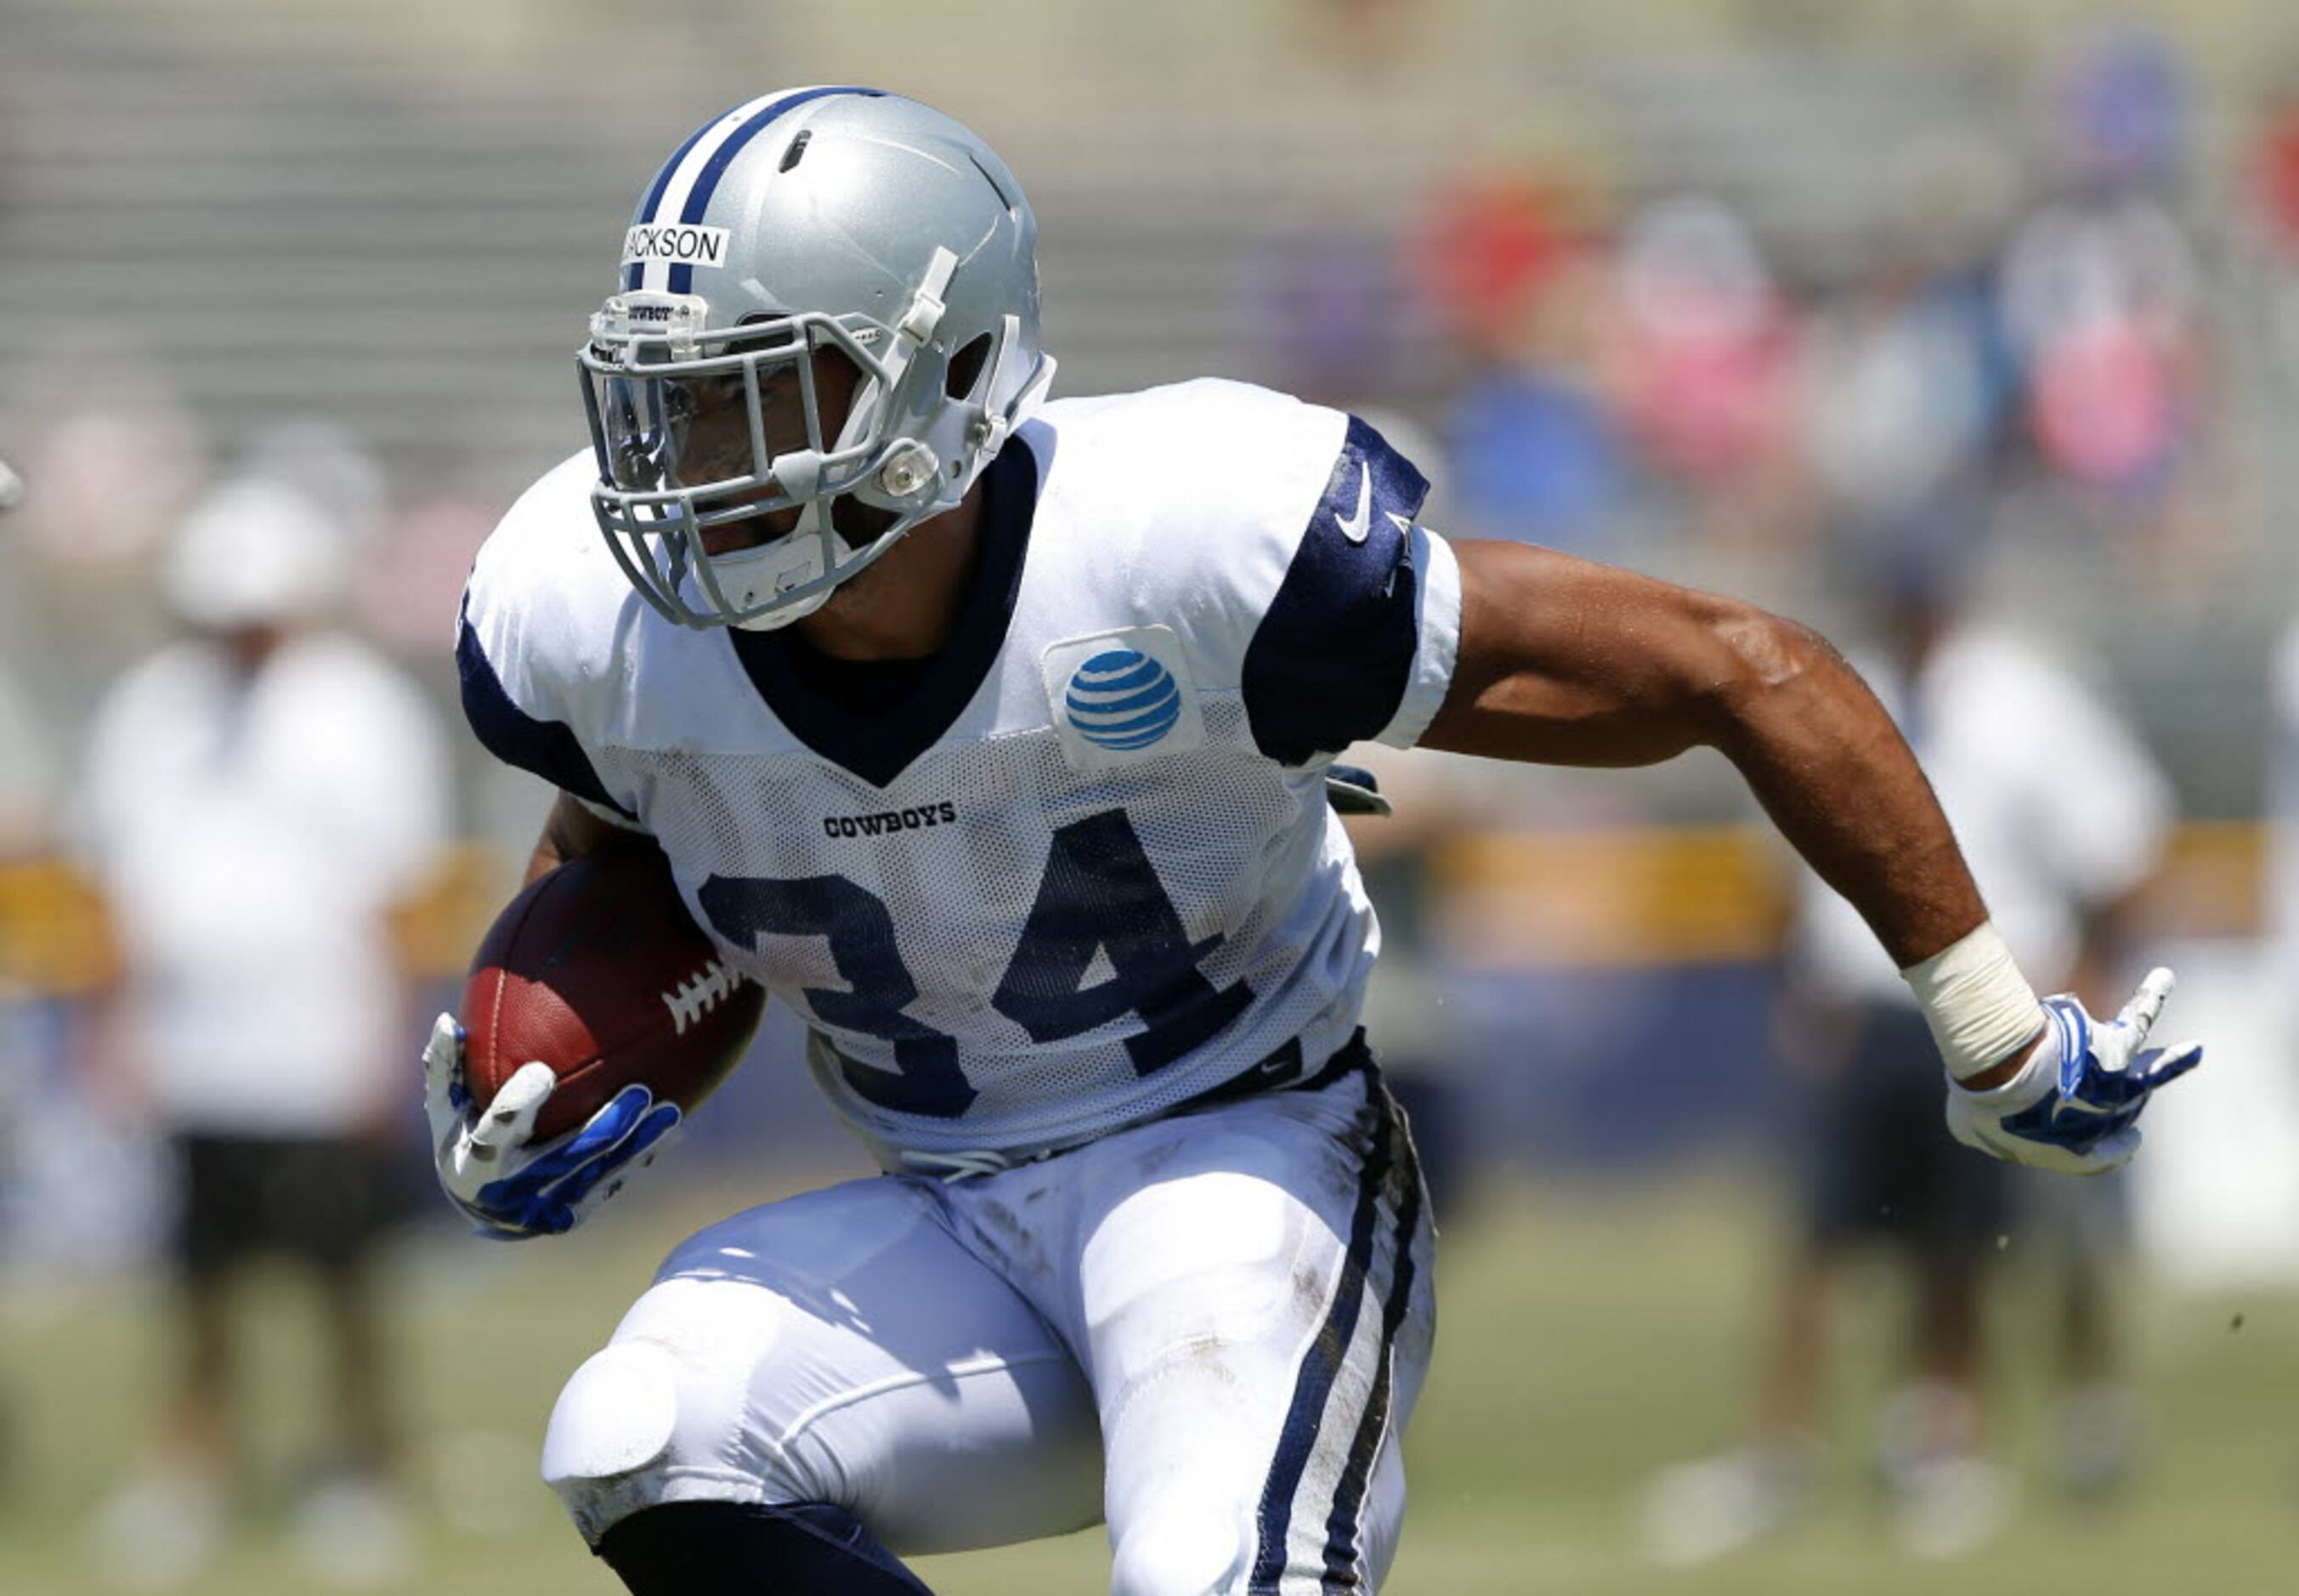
1588 1337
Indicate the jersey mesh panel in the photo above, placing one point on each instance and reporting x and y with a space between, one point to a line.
1242 848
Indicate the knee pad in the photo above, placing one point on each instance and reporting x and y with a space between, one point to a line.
742 1549
1187 1547
614 1417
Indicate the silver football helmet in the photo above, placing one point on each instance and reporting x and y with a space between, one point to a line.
806 222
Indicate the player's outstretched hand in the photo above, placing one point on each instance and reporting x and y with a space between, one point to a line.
509 1189
2075 1104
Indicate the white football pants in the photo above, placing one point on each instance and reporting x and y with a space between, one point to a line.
1208 1331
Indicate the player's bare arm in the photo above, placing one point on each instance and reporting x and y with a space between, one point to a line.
1566 661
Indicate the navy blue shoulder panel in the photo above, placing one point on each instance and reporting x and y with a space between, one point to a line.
548 748
1328 663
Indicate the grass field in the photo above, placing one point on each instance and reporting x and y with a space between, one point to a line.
1587 1338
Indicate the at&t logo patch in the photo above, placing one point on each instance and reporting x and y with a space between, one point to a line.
1123 699
1119 697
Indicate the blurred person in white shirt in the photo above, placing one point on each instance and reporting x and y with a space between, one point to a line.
257 798
2061 833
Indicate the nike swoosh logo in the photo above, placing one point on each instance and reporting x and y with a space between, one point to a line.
1354 528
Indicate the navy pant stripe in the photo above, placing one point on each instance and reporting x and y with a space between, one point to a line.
1343 1556
1304 1416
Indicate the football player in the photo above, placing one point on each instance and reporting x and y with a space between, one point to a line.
993 735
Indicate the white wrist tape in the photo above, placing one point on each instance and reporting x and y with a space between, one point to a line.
1980 1007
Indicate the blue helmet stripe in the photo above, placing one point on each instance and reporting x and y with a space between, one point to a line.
636 269
706 181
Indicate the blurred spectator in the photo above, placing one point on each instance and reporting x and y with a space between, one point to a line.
1534 458
2100 287
256 798
2060 834
2271 183
1511 264
2274 178
1491 243
2099 298
1902 386
2116 111
1534 442
1323 311
1706 362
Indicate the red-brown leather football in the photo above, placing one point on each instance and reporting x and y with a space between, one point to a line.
597 970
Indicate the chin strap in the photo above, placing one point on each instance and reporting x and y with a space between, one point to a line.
798 557
918 322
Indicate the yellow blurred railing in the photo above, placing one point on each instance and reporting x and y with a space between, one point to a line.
1719 894
1635 896
54 936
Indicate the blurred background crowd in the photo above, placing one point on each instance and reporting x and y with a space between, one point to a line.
1968 333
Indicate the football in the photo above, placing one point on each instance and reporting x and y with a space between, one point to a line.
597 970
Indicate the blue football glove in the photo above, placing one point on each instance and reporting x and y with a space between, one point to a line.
2075 1104
509 1189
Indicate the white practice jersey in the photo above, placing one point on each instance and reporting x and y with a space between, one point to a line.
1077 870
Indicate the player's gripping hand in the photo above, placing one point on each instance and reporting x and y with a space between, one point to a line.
509 1189
2074 1105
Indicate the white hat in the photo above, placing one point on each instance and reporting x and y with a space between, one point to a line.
255 553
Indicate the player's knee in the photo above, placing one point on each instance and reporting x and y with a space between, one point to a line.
682 1404
1187 1545
611 1429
